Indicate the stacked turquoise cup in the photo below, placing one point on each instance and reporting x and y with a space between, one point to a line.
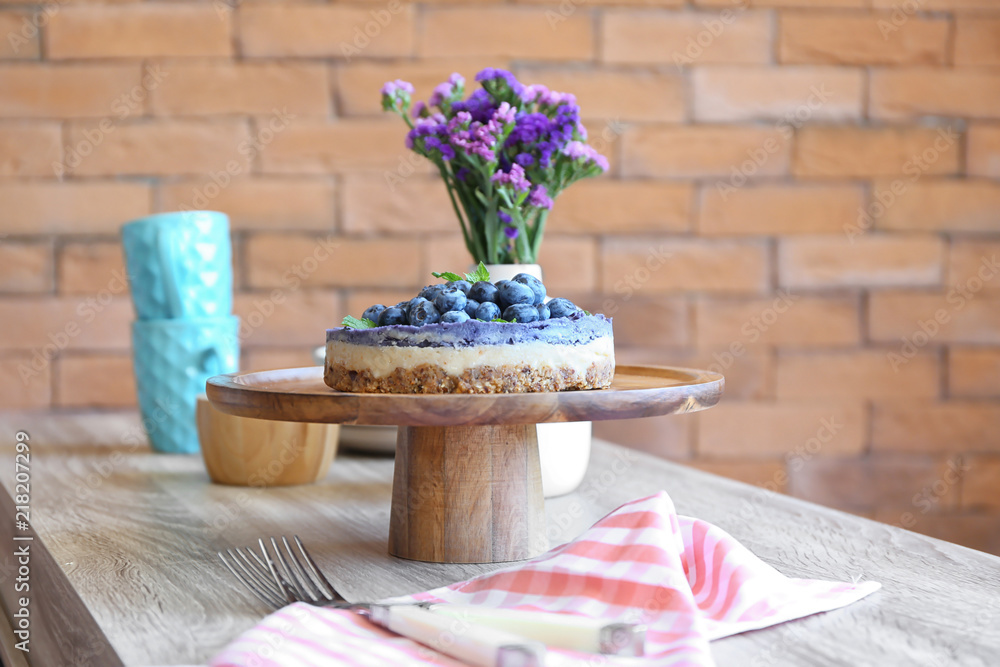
181 276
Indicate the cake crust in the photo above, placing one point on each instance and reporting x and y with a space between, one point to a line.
432 379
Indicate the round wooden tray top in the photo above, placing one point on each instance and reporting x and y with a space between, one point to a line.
467 485
299 394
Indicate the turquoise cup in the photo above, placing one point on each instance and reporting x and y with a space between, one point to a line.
179 265
173 359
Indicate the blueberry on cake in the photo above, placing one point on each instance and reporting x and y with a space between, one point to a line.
472 336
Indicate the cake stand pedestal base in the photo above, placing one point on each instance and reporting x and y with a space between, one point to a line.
467 494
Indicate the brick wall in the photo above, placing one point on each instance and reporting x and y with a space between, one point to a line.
821 176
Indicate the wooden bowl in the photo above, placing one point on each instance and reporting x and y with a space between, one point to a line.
243 451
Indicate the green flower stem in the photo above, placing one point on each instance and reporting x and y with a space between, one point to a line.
454 205
536 238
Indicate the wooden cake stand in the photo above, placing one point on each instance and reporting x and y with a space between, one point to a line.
467 487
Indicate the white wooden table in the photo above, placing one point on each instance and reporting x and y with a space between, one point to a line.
123 567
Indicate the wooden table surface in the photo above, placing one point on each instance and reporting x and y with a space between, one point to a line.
123 565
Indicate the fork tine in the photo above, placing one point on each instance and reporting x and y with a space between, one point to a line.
263 596
304 574
303 587
259 572
290 593
316 573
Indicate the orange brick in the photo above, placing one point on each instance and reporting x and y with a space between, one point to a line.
650 323
318 147
877 260
778 209
142 30
860 39
855 374
611 3
936 427
447 253
646 266
417 204
64 91
980 482
301 318
974 260
882 481
802 4
174 147
793 431
788 319
924 91
705 150
945 205
977 41
600 205
20 31
258 203
21 388
26 267
883 151
95 381
50 325
619 95
667 437
686 38
749 376
793 94
284 260
41 207
359 81
953 317
266 359
941 5
974 372
29 150
569 263
358 300
89 268
983 152
768 474
211 87
327 30
507 32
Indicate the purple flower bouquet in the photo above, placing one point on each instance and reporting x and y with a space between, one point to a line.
505 154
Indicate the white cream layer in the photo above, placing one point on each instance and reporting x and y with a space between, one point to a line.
381 361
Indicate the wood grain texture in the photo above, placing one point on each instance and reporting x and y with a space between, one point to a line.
263 452
467 494
299 394
134 534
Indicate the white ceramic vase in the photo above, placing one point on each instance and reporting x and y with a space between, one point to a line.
563 447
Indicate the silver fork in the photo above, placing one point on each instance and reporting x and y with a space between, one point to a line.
287 578
473 644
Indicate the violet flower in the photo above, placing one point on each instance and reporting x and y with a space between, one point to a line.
515 178
391 87
539 197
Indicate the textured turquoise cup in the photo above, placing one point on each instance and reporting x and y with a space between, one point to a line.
173 359
179 265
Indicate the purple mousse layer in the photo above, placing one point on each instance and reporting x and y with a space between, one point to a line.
577 329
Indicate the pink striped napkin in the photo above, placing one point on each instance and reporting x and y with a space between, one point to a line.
688 581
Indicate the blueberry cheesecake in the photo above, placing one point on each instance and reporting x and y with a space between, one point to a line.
472 336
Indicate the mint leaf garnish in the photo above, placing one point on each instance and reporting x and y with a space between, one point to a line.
355 323
500 319
447 276
480 274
